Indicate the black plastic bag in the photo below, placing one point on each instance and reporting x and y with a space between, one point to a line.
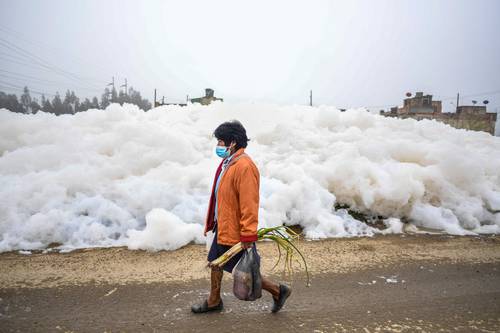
247 284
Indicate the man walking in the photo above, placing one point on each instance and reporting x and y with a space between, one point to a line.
233 213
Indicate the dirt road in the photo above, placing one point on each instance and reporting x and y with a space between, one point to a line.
382 284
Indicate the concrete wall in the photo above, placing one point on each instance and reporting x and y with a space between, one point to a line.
470 121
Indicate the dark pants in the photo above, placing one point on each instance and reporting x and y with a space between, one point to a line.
216 250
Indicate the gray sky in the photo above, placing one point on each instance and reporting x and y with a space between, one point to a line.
350 53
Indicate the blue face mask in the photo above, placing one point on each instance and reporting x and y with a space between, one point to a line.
222 151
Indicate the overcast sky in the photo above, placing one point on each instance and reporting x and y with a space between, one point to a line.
350 53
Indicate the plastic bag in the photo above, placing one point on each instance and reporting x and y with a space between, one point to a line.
247 284
210 239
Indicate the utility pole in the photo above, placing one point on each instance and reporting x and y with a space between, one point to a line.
458 98
155 99
125 85
187 98
113 85
311 98
163 100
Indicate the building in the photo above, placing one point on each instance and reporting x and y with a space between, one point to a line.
162 102
207 99
471 117
421 106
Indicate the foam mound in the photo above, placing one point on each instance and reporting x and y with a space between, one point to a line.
125 177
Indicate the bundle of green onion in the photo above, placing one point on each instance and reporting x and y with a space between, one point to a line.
283 237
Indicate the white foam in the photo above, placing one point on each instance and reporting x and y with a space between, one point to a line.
91 179
164 231
394 226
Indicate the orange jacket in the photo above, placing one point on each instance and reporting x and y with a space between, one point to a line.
237 202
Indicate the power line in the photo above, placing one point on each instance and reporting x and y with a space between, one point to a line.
41 62
10 84
25 38
20 76
29 78
19 62
11 56
37 59
31 91
30 81
16 76
21 37
34 84
16 87
32 66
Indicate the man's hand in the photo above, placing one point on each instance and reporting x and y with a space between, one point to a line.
246 245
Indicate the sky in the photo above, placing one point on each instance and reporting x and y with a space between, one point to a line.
349 53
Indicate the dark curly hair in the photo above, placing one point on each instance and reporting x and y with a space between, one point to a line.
232 131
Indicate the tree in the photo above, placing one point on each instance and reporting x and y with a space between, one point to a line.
136 98
43 100
71 103
46 105
114 96
10 102
75 101
34 106
26 100
87 104
95 103
105 99
66 103
57 104
123 97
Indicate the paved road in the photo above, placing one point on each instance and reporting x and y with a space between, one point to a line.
423 296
